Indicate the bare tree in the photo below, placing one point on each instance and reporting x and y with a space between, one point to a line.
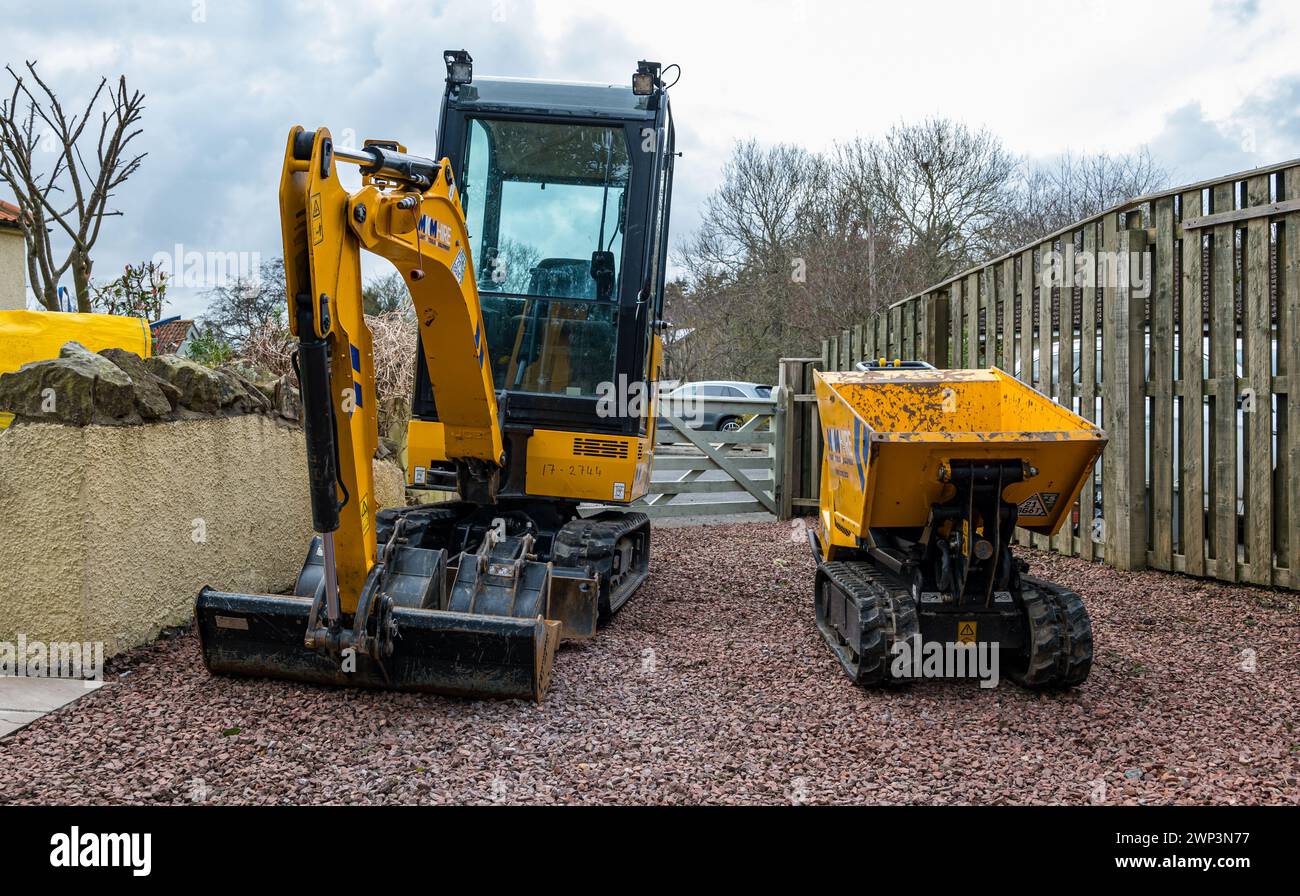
946 187
72 197
795 245
1070 188
788 250
757 211
238 309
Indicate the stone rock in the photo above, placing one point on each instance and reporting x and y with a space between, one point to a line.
207 391
155 398
287 400
267 388
251 401
78 387
198 388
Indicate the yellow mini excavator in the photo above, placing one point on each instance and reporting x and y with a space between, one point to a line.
534 251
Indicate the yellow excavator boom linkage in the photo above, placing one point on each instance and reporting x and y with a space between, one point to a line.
423 234
322 262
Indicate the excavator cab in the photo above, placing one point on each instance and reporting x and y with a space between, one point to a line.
567 192
534 250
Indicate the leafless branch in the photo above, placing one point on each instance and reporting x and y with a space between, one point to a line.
88 188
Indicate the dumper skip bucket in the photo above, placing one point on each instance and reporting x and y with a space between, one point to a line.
891 434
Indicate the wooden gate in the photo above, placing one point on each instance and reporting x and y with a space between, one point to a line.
706 472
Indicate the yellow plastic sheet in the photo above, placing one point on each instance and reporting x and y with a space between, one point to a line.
27 336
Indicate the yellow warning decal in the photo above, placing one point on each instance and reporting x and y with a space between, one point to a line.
317 221
966 632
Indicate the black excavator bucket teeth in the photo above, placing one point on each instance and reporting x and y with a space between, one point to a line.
490 640
459 654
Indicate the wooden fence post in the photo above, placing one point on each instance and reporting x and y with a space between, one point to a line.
1257 394
1191 413
1027 306
1007 298
956 314
785 423
936 332
1088 540
1063 541
971 305
1162 387
1223 377
1124 470
1289 333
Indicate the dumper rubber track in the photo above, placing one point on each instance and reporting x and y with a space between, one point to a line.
1059 652
886 614
613 546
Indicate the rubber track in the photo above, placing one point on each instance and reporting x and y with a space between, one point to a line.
1060 634
1075 627
589 544
887 612
1041 666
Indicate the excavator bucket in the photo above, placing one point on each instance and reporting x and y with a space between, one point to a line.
407 639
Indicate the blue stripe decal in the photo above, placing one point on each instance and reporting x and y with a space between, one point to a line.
356 392
860 452
356 358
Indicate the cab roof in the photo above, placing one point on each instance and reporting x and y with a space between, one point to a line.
552 98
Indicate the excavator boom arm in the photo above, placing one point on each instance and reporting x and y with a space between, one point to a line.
408 211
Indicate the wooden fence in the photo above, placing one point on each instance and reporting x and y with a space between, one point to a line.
1202 472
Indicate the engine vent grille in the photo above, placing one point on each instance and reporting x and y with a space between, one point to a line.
588 447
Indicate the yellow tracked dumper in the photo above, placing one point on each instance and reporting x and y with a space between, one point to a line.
925 475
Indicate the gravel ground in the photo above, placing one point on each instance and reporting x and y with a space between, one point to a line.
712 685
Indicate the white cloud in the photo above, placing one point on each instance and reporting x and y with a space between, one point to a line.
1046 75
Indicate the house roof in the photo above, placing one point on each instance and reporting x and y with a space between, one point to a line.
9 215
169 335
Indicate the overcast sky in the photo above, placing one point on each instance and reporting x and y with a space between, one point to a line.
1212 87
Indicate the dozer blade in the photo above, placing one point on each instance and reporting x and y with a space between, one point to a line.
460 654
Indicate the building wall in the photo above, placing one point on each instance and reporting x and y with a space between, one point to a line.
13 270
109 532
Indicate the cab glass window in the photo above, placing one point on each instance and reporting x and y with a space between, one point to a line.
546 206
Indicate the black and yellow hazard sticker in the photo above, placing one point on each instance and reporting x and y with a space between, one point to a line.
966 631
1032 506
317 221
